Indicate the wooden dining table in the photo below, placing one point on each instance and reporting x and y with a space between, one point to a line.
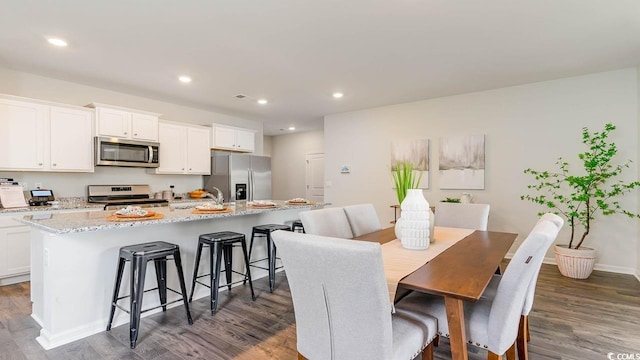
460 273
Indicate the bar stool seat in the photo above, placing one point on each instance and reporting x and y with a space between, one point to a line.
220 243
265 231
297 224
139 255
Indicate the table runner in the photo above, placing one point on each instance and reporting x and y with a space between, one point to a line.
400 262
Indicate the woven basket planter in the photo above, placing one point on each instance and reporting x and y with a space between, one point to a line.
575 263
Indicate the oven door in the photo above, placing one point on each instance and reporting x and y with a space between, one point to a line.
121 152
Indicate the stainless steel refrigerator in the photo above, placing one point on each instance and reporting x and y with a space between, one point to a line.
240 177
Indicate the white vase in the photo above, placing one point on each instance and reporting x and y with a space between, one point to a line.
413 228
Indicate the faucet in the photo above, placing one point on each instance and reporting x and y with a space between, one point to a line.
219 198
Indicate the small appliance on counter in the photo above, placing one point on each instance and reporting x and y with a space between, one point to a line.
41 197
11 194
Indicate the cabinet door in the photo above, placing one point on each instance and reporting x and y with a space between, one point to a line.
245 140
112 122
71 140
15 247
144 127
198 151
22 135
224 138
172 149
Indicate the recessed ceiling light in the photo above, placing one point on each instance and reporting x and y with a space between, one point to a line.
262 101
185 79
57 42
292 128
338 95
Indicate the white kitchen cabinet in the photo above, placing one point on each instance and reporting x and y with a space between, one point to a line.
15 247
199 150
236 139
184 149
114 121
37 136
71 140
22 139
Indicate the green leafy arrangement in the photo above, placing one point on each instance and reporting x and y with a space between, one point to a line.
451 200
404 178
579 197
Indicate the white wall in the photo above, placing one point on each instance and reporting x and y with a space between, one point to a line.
267 145
525 126
44 88
288 162
638 239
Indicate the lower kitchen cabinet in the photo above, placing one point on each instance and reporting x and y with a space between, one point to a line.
15 249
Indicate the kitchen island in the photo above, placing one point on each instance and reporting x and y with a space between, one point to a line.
74 258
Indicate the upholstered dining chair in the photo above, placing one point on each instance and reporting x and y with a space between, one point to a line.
492 323
523 328
466 216
331 222
341 302
363 219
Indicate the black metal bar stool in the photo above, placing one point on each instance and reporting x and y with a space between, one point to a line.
265 231
139 255
220 243
297 224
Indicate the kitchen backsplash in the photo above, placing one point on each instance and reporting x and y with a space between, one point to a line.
75 184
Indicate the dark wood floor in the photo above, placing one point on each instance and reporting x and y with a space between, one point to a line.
571 319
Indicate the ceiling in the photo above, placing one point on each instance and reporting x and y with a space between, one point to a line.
296 53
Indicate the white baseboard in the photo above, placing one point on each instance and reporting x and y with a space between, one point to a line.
15 279
601 267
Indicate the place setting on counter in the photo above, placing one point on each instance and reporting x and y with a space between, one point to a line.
134 213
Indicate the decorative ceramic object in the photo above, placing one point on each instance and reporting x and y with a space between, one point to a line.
413 227
575 263
466 198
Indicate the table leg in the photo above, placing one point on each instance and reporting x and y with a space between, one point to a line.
457 335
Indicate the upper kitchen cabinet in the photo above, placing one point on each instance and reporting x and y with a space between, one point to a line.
42 136
114 121
23 135
71 139
184 149
234 139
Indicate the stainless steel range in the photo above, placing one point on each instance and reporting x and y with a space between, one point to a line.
119 196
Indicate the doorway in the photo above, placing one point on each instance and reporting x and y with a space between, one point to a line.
315 177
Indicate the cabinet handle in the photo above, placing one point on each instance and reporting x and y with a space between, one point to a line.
189 169
125 133
182 169
55 164
39 164
135 134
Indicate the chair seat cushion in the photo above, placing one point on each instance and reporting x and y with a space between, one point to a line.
476 315
413 329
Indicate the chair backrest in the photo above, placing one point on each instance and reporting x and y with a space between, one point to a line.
362 218
466 216
531 291
330 222
513 288
340 296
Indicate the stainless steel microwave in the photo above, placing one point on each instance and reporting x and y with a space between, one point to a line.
124 152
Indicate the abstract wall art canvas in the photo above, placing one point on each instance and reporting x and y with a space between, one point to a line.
461 162
415 151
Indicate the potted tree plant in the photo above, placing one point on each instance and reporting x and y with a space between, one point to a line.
580 197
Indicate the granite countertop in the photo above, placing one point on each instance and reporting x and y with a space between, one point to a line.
81 203
67 223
